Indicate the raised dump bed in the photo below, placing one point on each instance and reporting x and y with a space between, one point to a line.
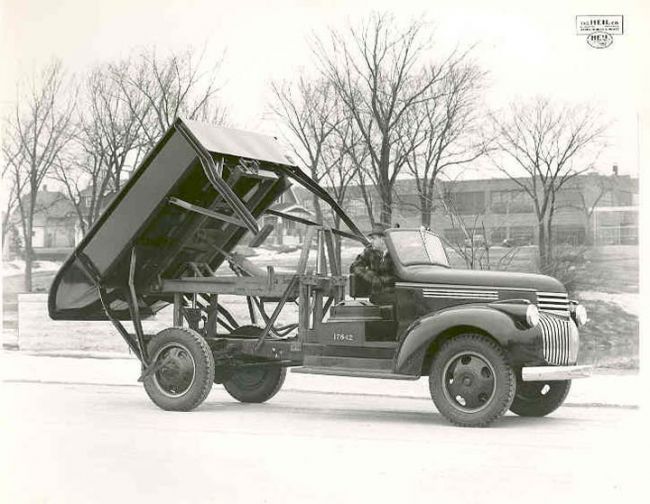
191 201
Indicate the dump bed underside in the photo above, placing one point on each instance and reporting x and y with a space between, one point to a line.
174 215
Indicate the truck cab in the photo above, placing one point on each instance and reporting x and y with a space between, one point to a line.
484 318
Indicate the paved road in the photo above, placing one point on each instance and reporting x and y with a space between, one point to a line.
93 443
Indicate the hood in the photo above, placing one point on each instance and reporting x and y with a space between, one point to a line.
479 278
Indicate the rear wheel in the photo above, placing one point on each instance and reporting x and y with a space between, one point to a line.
183 369
538 398
255 384
471 381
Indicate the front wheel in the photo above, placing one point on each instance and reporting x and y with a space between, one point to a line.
183 369
471 381
538 398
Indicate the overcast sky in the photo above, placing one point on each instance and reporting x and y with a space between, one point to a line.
529 48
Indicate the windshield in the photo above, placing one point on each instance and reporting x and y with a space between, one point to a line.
415 246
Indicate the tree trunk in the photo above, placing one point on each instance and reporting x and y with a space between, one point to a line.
386 214
337 242
590 238
367 202
29 259
541 245
317 209
549 242
385 187
549 237
425 211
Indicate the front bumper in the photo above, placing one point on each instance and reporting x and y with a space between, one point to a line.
553 373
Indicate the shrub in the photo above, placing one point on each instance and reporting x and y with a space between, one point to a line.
569 265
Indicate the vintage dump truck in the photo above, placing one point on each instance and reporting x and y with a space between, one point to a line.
488 341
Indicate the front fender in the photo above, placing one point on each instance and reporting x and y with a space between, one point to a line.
523 344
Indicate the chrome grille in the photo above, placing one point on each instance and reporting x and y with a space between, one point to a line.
560 339
553 302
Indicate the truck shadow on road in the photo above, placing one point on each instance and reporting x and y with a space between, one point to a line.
360 413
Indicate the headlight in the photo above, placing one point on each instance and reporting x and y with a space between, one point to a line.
580 315
532 315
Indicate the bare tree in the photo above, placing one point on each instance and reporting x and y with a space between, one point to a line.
321 136
37 131
471 243
83 173
110 129
588 201
345 153
159 89
541 147
108 139
129 104
309 111
10 158
379 72
442 131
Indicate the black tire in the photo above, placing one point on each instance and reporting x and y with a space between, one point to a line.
185 370
255 384
223 372
471 381
539 398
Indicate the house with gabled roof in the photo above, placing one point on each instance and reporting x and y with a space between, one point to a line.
54 226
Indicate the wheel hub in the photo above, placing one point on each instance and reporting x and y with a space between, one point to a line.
469 381
251 377
177 370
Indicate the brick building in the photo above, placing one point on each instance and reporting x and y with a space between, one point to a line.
590 208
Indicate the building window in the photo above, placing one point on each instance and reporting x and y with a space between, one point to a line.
624 198
522 235
498 235
408 207
468 203
629 218
608 235
618 235
511 201
289 226
455 236
629 235
356 208
568 198
607 199
568 235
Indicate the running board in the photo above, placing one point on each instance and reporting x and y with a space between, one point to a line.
358 373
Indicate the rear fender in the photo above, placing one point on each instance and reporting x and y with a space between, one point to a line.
497 321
